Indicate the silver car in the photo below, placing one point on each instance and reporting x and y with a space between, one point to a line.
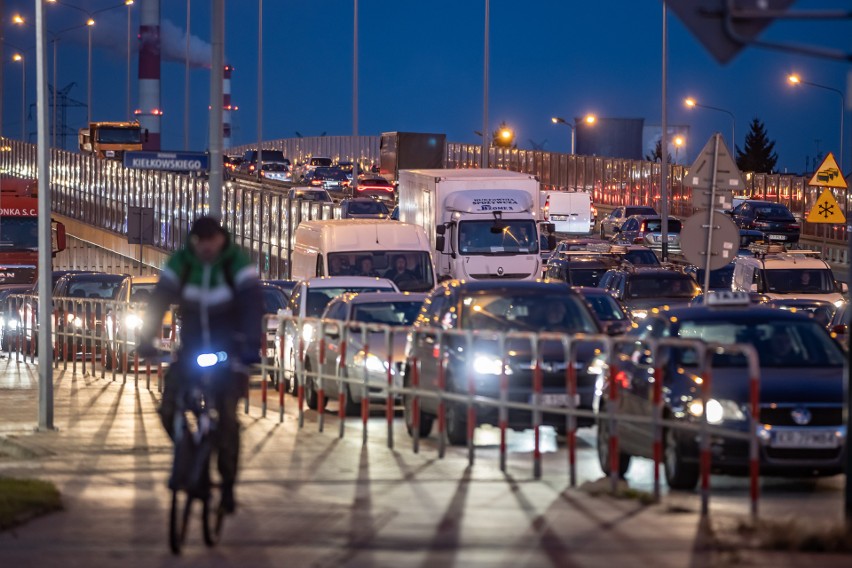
647 230
358 351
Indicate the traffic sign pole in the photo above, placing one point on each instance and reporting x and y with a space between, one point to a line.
711 211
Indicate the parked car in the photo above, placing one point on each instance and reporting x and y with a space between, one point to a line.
647 231
499 306
619 215
365 356
363 208
773 219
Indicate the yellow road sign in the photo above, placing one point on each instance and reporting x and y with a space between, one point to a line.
826 210
828 174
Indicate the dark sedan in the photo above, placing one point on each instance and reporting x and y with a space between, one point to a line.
772 219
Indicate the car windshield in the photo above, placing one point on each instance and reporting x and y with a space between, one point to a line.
410 271
318 298
799 281
118 135
273 300
141 293
506 310
401 312
772 211
720 279
605 307
656 225
641 257
367 208
779 343
96 289
661 286
497 237
308 195
19 233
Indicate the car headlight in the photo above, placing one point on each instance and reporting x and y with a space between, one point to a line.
307 332
839 304
12 324
639 314
487 365
598 366
77 322
373 363
718 411
132 321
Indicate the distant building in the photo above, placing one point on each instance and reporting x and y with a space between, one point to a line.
611 138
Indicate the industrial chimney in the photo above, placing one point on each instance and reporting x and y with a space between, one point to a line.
149 111
226 111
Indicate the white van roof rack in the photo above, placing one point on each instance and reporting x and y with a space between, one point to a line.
763 249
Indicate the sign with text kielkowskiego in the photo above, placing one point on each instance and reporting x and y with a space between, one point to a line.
167 161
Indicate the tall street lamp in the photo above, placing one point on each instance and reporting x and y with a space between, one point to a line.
90 23
20 59
797 80
692 103
678 142
588 119
129 3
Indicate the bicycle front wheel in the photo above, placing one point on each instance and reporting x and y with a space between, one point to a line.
179 519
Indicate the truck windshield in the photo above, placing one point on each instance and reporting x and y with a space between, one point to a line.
800 281
19 233
497 237
410 271
119 135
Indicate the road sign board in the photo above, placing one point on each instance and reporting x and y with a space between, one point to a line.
711 22
167 161
826 210
723 248
828 174
700 176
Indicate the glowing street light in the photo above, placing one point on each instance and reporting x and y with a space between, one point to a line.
692 103
588 119
18 19
678 142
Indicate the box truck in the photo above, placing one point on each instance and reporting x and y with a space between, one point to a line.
410 151
483 223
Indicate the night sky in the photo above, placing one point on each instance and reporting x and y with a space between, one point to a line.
421 70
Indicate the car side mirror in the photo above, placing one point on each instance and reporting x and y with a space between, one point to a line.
331 330
551 242
440 243
440 229
549 227
752 288
844 288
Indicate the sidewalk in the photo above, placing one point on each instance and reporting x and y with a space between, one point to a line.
311 499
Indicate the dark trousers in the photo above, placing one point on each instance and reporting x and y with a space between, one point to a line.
227 434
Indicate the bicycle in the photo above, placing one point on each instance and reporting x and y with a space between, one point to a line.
194 429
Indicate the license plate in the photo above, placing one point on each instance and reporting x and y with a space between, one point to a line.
560 400
804 439
777 238
559 217
658 238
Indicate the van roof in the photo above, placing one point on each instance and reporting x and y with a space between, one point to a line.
352 235
785 260
474 173
349 281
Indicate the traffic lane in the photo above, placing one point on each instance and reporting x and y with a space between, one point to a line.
819 498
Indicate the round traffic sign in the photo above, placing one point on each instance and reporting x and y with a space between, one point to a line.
723 248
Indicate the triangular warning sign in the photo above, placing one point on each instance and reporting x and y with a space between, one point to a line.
826 210
828 174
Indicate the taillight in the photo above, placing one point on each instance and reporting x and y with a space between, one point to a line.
251 167
794 226
638 241
316 182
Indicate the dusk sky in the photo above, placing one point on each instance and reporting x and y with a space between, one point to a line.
421 70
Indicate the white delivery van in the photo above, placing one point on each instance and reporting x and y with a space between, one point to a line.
400 252
483 223
570 212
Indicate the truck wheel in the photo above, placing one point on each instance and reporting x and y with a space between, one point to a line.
679 474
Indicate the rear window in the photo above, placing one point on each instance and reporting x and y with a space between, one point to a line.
272 156
642 257
320 162
662 286
367 208
772 211
656 225
628 211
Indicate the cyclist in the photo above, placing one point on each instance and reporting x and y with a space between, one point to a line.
221 307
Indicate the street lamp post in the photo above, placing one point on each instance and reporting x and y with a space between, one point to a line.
588 119
692 103
20 59
89 23
259 159
796 80
128 3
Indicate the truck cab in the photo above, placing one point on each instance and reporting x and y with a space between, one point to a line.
110 140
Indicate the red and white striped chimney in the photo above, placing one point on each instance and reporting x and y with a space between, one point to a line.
226 111
149 111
